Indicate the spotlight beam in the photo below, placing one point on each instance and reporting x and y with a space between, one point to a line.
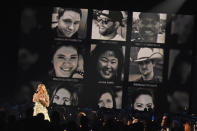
168 6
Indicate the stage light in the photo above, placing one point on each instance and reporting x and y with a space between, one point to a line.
82 113
64 117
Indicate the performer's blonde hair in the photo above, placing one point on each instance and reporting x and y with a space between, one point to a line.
43 87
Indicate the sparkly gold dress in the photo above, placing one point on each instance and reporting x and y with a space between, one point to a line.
39 108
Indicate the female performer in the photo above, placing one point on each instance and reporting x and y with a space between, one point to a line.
41 99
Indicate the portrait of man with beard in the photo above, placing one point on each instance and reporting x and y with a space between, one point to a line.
106 24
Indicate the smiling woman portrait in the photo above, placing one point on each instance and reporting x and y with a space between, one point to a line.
107 62
67 61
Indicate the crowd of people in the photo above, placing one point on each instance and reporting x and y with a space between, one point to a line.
101 119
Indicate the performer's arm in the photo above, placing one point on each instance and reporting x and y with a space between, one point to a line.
45 101
35 99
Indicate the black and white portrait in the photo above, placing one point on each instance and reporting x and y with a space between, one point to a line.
146 64
109 96
67 60
64 95
141 99
179 79
69 23
107 62
109 25
106 98
148 27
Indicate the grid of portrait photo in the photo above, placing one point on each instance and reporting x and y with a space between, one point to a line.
114 59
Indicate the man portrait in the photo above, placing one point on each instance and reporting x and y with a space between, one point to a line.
66 22
149 64
148 27
106 25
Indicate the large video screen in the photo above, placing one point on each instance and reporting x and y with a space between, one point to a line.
106 58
